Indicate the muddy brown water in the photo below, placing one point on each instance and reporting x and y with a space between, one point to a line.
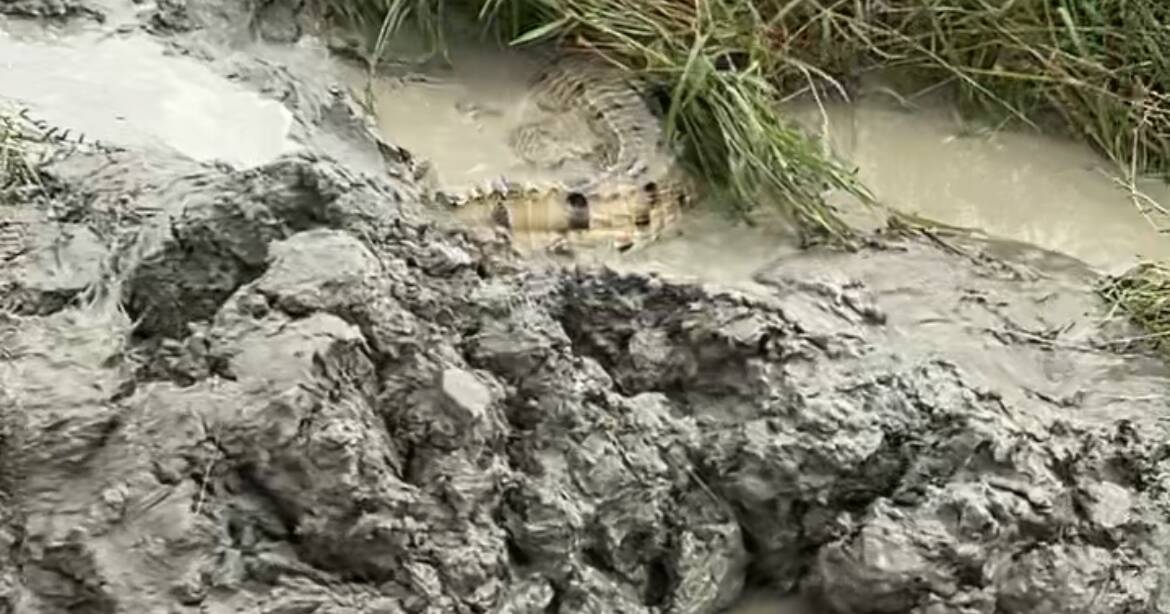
459 120
125 90
1043 190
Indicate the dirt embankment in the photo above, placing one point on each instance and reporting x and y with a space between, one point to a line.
282 390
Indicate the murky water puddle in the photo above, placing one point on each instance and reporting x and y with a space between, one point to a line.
125 90
1047 191
458 120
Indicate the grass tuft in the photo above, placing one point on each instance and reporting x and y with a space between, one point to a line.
1143 295
376 22
19 156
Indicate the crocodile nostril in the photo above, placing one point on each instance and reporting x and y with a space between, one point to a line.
578 211
651 190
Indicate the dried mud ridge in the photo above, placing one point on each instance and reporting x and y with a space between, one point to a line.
283 391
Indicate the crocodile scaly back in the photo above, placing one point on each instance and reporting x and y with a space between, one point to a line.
624 187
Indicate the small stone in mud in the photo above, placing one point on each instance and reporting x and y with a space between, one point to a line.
1108 504
475 110
439 259
465 394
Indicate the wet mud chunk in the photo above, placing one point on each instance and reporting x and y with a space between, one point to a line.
369 424
52 9
45 264
214 232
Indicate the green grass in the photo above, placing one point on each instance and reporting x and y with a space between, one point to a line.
19 156
1099 68
375 22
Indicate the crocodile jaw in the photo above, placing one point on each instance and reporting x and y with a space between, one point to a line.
621 216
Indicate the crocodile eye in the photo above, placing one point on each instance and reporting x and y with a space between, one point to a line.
578 211
651 190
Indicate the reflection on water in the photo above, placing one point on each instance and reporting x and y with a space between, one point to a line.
126 91
1048 191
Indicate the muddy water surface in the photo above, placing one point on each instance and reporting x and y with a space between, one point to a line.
126 91
459 119
1049 191
1020 189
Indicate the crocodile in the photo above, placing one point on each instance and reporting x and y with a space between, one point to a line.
628 192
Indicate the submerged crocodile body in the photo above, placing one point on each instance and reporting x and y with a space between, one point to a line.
623 193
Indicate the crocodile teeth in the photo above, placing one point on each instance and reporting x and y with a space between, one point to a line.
501 185
450 200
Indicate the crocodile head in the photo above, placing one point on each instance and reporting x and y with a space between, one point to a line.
585 215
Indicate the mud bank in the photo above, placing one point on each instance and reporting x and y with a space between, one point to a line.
293 394
284 390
